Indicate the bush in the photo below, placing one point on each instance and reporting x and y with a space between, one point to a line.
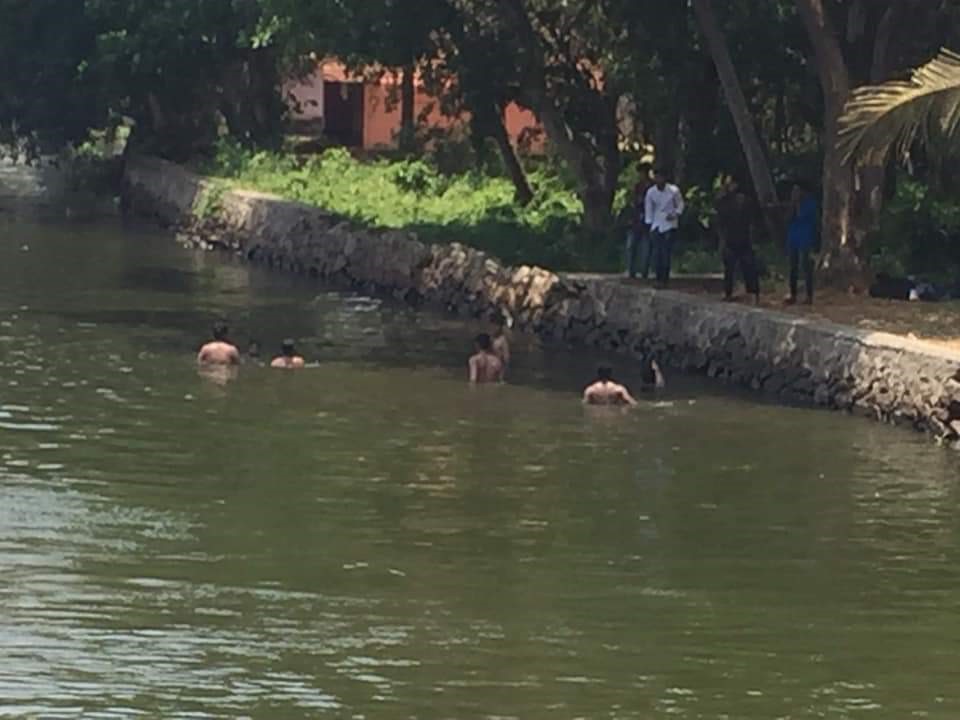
472 207
919 234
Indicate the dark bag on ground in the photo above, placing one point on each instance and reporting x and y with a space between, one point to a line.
889 287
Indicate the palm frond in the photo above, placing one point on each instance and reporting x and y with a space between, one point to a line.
890 116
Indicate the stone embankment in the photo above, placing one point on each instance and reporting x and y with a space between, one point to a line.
794 360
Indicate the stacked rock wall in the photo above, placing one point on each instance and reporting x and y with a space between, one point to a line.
786 357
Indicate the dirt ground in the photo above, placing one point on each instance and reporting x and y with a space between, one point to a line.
936 322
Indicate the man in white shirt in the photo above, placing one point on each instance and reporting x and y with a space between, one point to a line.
663 207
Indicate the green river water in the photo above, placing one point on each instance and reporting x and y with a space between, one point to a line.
371 538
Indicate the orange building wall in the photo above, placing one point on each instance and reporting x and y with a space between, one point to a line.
522 127
382 118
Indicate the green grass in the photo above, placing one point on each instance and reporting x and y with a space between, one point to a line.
472 208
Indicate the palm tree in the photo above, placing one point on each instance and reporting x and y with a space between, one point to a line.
878 119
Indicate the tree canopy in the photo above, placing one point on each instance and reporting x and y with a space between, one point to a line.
750 88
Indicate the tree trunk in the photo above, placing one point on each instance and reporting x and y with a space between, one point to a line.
523 194
596 175
871 176
408 100
595 165
842 263
666 138
158 118
746 130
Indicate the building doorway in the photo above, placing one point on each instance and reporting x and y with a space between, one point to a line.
343 112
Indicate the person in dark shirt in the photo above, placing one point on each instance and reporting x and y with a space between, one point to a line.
639 257
736 220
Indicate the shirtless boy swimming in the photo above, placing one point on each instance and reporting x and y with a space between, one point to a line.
651 376
219 351
604 391
288 359
485 366
501 345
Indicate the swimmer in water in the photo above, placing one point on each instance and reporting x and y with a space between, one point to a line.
651 376
219 351
501 346
485 366
604 391
288 358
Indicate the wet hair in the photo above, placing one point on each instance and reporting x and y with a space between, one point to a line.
288 348
220 331
483 341
605 373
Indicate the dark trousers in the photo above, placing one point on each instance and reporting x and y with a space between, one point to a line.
661 244
638 251
747 260
801 258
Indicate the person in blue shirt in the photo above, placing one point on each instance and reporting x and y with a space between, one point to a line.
802 240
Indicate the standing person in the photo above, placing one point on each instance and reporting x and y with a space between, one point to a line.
663 207
485 367
802 240
736 220
219 351
638 236
288 359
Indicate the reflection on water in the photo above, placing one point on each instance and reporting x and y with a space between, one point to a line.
373 538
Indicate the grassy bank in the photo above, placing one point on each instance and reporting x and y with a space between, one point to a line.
473 208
